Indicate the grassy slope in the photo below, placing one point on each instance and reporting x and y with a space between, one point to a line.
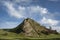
14 36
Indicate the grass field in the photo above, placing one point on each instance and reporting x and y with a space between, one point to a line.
42 37
13 36
27 38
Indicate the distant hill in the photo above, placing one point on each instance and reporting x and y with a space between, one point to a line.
29 27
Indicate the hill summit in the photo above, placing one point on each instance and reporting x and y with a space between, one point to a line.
29 27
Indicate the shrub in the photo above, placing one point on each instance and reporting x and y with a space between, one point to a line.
44 32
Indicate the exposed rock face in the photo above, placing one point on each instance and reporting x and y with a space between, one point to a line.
31 28
28 29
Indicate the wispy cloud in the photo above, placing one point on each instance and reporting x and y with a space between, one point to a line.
39 9
50 22
21 11
55 28
8 24
12 11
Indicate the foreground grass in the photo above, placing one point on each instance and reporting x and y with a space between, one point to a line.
19 37
12 36
32 39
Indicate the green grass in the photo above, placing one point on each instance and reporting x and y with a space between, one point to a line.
26 38
19 37
14 36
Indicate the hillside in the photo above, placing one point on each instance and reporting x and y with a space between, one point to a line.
29 27
29 30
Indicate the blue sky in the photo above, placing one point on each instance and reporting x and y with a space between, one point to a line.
45 12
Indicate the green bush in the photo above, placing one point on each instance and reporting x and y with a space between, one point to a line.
44 32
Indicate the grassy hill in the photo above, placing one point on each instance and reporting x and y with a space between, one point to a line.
28 30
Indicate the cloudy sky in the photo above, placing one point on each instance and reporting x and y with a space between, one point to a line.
45 12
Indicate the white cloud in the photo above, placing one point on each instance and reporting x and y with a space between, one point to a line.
55 28
12 11
49 21
39 9
24 12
